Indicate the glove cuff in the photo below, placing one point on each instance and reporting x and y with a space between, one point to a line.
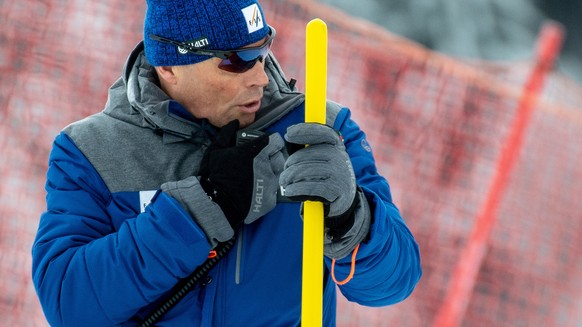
206 213
340 247
340 225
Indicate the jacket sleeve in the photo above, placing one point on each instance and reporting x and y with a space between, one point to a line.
387 266
87 271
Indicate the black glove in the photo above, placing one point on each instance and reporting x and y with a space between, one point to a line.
242 178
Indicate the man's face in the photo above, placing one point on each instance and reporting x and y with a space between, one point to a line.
220 96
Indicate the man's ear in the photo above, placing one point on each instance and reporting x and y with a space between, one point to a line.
167 74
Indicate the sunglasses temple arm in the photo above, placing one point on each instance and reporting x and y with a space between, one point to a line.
187 46
163 39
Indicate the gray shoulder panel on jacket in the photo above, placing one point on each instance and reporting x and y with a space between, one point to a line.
130 157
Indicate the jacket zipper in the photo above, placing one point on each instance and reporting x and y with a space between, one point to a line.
239 249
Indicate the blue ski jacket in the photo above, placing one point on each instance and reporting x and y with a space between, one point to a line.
109 246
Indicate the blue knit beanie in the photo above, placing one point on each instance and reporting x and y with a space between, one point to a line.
212 24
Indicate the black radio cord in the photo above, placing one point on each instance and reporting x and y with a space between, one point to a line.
187 284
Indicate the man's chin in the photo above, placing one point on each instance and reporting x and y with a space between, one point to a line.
246 120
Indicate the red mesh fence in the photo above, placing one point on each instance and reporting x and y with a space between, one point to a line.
438 126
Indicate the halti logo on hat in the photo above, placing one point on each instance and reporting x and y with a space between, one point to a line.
198 43
253 17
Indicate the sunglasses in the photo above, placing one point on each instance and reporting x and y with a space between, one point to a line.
234 61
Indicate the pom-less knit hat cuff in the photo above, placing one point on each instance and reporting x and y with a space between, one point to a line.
211 24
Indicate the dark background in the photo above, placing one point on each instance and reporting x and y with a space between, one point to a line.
497 30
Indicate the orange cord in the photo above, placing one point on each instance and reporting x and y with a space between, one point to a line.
352 269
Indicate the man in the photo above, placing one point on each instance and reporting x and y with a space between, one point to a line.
141 194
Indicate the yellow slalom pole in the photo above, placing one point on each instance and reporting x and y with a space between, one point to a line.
315 103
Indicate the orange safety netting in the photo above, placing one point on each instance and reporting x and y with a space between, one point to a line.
440 129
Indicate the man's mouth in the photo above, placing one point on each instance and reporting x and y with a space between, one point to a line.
251 107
